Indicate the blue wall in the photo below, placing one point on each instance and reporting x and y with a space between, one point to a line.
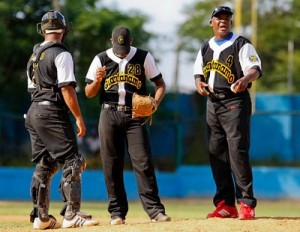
274 130
187 181
275 127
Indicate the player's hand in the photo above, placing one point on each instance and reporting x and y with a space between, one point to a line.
240 85
201 87
100 73
81 129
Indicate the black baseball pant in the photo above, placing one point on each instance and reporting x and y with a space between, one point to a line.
51 132
229 142
118 132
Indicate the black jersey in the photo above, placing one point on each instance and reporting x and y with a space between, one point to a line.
54 69
221 65
123 76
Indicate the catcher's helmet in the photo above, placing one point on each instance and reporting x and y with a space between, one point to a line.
52 22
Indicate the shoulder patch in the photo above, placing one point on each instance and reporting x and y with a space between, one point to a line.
253 58
42 55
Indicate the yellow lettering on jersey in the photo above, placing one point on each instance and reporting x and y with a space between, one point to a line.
220 68
229 61
134 69
122 77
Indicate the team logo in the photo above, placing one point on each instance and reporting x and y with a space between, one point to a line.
120 40
42 56
122 78
219 67
253 59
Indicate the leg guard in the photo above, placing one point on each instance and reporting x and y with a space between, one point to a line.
70 185
40 188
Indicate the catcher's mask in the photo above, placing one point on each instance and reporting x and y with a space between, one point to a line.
52 22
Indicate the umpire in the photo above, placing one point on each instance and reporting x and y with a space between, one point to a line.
52 83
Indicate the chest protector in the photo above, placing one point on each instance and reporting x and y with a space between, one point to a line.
43 74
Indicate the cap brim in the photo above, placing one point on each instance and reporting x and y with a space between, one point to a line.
222 12
121 50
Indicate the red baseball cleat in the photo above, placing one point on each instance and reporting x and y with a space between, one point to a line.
247 212
223 211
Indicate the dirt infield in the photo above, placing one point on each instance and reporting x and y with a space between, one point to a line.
260 224
187 215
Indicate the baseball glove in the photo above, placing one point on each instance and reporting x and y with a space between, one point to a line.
143 106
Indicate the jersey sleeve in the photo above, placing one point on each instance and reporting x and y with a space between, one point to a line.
91 74
249 58
151 69
65 69
198 65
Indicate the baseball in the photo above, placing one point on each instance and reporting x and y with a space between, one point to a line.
232 88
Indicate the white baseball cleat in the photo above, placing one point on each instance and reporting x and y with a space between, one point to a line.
51 224
79 221
117 220
161 217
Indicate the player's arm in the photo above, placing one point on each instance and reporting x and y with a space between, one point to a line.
94 77
241 84
201 85
70 97
65 72
251 66
154 74
160 90
91 89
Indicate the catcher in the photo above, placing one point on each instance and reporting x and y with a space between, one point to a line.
51 83
118 75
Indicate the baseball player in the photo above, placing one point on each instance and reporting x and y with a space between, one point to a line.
51 82
224 69
116 74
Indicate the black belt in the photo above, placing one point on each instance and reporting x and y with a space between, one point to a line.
217 96
56 104
51 89
45 103
222 96
121 108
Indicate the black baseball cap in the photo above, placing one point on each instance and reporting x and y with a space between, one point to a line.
121 39
221 9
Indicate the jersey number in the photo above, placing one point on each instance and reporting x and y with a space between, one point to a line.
134 69
229 61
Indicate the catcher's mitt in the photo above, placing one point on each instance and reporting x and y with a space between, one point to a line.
143 106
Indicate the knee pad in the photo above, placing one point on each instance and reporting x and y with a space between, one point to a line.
70 185
40 187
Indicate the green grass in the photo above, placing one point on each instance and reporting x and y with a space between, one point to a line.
186 208
14 215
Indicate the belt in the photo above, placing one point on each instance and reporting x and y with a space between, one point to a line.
217 96
121 108
45 103
51 89
222 96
